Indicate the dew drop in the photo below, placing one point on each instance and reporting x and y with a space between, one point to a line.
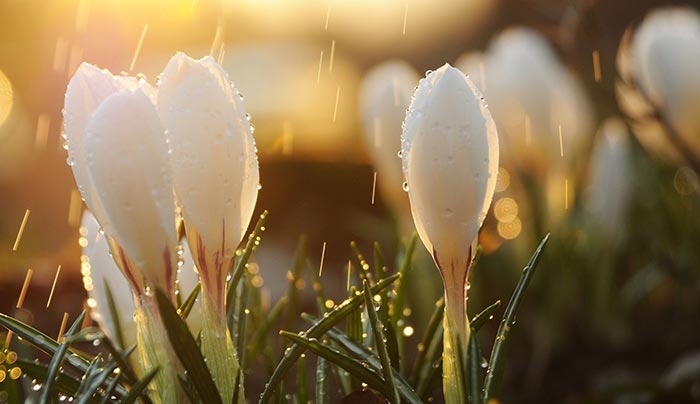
405 186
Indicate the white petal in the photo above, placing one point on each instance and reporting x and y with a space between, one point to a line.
450 151
128 164
87 89
215 168
102 272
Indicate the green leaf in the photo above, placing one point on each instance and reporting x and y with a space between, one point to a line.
55 364
434 323
485 315
494 375
109 391
64 384
475 369
120 358
353 366
94 382
188 304
239 269
329 320
187 351
321 381
114 312
360 352
379 340
42 341
140 387
399 301
302 388
361 262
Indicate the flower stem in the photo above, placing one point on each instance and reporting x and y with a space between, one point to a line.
456 335
155 351
455 344
218 349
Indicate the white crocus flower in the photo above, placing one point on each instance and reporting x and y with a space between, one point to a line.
216 180
119 155
384 98
609 187
450 160
662 58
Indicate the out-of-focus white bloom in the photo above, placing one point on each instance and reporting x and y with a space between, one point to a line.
662 59
117 150
214 162
450 160
473 65
609 181
532 96
385 95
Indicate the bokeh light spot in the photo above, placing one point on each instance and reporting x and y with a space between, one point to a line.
510 230
6 98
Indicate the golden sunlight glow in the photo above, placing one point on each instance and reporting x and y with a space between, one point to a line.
6 98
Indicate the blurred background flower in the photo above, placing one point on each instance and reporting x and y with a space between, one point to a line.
299 65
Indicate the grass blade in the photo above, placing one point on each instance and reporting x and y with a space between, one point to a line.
475 370
485 315
353 366
360 352
64 384
187 351
42 341
93 383
331 319
428 338
138 389
57 359
239 268
116 319
188 304
321 381
494 375
380 341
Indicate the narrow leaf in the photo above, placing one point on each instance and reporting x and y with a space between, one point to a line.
187 351
331 319
494 374
355 367
140 386
380 344
57 359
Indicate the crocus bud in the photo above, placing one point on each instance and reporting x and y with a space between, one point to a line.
661 59
214 162
216 180
127 160
610 176
384 98
449 148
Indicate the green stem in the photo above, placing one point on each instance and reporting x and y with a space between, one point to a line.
218 349
154 351
455 343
